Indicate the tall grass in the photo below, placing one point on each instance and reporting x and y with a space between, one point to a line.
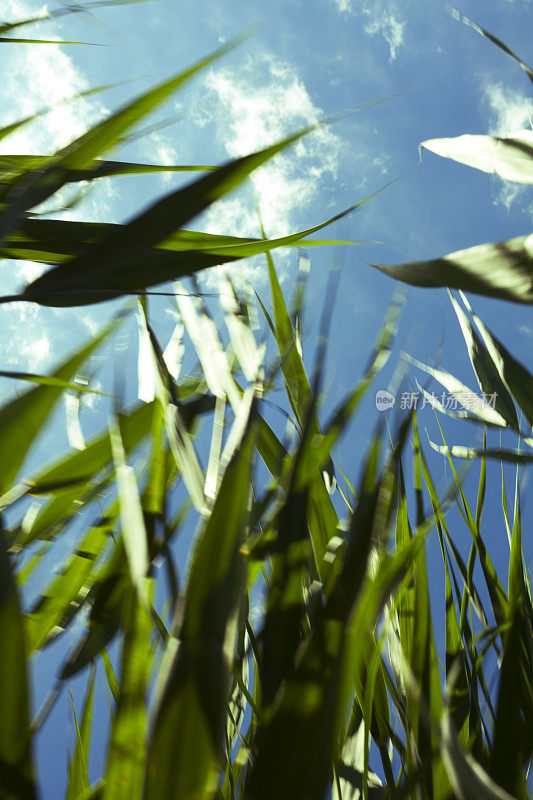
298 658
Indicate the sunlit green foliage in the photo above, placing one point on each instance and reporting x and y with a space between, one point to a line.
298 659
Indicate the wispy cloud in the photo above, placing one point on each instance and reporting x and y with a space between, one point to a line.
344 6
33 77
387 22
509 111
384 20
255 107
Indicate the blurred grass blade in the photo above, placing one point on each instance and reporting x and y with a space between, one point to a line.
237 317
49 380
131 517
126 755
204 335
116 264
180 441
81 153
502 269
108 598
468 778
10 40
16 773
13 165
80 467
502 454
78 773
65 591
509 756
188 726
424 661
7 130
56 13
461 17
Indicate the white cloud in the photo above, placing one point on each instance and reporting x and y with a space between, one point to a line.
384 19
33 77
509 111
259 105
344 6
388 24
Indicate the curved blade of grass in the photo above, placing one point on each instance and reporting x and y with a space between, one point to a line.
50 380
78 773
515 376
477 405
7 130
118 263
461 17
81 153
510 157
502 454
501 269
56 13
10 40
53 242
485 369
12 165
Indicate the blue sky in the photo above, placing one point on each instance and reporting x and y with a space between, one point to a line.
305 61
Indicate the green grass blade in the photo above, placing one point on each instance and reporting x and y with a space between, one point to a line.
508 757
131 517
516 377
461 17
78 773
16 773
485 369
188 727
81 153
469 780
63 592
126 756
502 269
